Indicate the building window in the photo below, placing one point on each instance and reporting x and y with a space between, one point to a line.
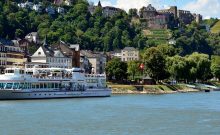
39 53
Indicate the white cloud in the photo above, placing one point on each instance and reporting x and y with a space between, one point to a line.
127 4
106 3
205 7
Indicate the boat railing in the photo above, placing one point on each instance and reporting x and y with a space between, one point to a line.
94 75
50 78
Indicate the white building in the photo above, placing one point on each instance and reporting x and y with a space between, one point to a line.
54 59
60 10
33 37
37 7
128 54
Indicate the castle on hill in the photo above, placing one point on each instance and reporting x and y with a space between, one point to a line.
167 18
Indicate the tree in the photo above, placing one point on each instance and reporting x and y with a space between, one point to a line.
215 66
167 50
115 69
133 68
155 64
199 66
133 12
177 67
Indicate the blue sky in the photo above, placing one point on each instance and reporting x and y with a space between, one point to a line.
208 8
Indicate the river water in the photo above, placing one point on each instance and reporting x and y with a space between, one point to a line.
174 114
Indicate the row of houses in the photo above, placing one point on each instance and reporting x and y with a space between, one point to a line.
61 55
38 7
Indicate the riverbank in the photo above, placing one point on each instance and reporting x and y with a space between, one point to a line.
150 89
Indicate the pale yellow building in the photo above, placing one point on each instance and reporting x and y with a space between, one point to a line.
129 54
11 55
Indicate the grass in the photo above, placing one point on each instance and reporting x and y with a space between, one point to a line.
146 87
159 36
216 28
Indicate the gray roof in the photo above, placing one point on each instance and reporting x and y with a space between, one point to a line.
48 52
150 8
129 49
71 46
88 54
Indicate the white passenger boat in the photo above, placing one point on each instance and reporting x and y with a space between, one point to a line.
33 83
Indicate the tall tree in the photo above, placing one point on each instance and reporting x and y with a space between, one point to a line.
116 69
133 68
155 64
200 66
215 66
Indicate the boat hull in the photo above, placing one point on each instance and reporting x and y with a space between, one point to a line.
20 94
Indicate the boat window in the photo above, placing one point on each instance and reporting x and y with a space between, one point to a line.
49 85
53 85
37 86
2 85
9 71
56 85
15 85
9 86
41 85
33 86
21 85
25 86
21 71
45 85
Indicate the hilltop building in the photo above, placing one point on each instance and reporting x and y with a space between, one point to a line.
107 11
66 2
167 18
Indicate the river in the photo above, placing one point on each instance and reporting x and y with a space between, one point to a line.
171 114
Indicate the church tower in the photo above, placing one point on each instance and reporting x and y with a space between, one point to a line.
99 4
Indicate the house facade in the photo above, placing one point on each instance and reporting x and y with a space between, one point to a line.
11 55
127 54
72 51
97 61
54 58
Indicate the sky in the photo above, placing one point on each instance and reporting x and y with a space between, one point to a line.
207 8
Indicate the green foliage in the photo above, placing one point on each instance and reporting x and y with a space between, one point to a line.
177 67
115 69
133 68
216 27
211 22
167 50
215 66
199 66
192 39
214 42
77 25
155 63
